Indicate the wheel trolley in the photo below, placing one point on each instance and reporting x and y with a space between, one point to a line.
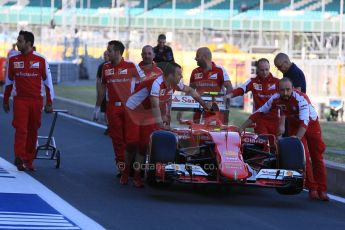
46 146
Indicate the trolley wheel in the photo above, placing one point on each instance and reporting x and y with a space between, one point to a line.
57 157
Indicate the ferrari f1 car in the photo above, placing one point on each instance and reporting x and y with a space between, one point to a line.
209 152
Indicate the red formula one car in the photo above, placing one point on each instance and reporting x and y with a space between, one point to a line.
209 152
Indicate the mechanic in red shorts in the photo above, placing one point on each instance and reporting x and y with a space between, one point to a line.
262 86
26 71
153 97
303 123
118 81
141 123
209 77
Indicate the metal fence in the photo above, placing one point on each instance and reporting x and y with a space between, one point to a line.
64 71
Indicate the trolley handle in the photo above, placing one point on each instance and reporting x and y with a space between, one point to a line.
56 112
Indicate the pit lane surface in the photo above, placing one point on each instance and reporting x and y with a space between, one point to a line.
87 181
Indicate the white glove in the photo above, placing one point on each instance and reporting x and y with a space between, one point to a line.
96 113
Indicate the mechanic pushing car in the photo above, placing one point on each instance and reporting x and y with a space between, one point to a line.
153 96
262 86
303 123
141 123
209 77
118 80
26 70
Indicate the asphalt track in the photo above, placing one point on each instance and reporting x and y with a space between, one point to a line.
87 181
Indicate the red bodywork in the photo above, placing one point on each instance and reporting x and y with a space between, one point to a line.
212 153
227 146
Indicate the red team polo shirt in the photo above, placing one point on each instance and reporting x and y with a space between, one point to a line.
150 75
211 81
262 89
149 71
120 80
25 74
156 88
298 109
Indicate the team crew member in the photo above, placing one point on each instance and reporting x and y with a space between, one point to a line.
99 85
26 71
149 67
154 96
159 91
13 51
209 77
118 80
163 53
303 124
262 86
141 123
291 71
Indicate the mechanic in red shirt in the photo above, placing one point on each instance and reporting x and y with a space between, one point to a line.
209 77
153 97
141 123
25 73
118 81
303 124
149 67
262 86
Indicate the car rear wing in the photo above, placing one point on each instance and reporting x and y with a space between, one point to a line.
187 103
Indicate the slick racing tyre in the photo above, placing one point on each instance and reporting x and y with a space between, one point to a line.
163 149
291 156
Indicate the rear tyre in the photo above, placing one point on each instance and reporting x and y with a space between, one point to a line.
291 156
163 150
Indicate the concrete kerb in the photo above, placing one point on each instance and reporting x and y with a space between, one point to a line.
335 177
335 171
75 108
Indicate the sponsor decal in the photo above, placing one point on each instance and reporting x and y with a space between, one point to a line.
230 153
175 99
123 71
206 84
109 72
34 65
269 172
198 76
213 76
188 100
18 64
282 107
118 80
253 140
162 92
21 74
272 87
257 86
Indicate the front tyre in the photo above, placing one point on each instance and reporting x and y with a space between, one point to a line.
291 157
163 149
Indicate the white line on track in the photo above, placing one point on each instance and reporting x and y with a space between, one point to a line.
332 197
337 198
83 120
